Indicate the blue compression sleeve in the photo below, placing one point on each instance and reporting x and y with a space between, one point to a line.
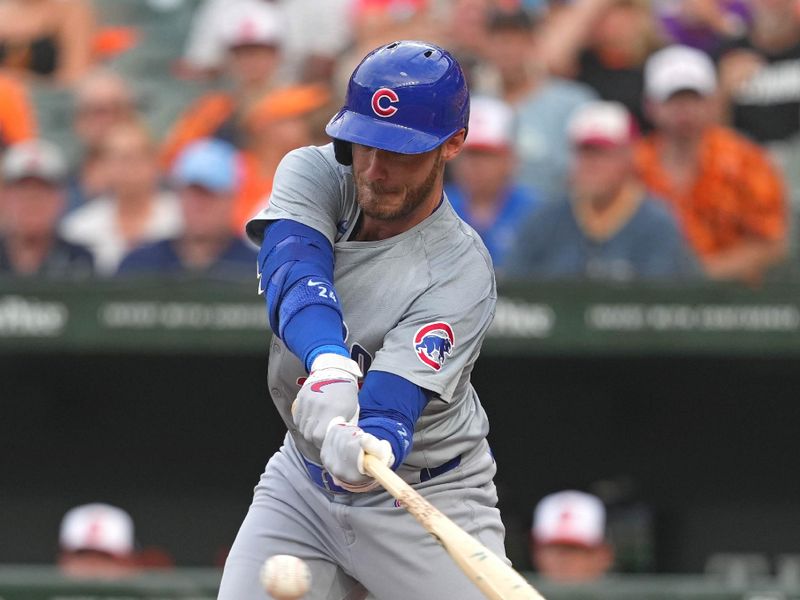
390 407
296 270
312 331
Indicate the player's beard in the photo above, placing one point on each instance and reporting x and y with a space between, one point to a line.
369 195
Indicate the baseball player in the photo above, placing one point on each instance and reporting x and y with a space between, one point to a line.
379 298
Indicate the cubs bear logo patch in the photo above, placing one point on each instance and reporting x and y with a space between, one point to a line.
433 343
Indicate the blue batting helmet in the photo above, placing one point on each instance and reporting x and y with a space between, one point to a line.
406 97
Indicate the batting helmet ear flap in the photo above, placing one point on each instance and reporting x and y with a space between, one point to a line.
343 152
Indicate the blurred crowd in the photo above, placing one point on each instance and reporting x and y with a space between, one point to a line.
571 541
608 139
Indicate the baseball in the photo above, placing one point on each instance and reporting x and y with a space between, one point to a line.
285 577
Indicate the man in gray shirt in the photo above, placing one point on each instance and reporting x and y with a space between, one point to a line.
373 282
609 227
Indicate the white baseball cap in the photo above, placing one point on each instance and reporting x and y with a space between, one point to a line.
99 527
253 22
490 124
570 517
678 68
34 158
601 123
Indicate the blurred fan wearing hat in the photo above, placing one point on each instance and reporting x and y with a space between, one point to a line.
568 538
727 194
609 227
253 35
32 200
483 191
96 541
206 178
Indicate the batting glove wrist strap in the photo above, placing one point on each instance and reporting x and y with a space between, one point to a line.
332 361
391 432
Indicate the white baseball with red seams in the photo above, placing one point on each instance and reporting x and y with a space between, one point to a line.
285 577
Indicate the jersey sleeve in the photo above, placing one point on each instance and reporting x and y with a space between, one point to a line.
437 341
306 189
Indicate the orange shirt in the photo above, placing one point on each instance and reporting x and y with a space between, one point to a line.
254 190
17 121
200 120
737 195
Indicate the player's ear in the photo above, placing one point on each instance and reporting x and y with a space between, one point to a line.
452 147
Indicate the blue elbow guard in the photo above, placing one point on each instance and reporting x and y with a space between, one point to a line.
306 292
295 269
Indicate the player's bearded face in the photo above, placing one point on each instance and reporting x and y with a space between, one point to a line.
392 186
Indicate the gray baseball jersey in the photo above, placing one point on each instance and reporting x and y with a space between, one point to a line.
416 305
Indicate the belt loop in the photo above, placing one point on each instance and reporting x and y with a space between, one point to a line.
324 478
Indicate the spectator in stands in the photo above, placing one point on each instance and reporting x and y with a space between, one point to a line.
17 117
103 99
704 24
285 119
603 43
378 22
253 34
32 200
760 72
96 541
611 227
461 26
466 34
304 58
568 538
135 211
725 192
46 38
205 179
542 104
483 191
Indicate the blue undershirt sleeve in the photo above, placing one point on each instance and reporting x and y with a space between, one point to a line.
390 407
295 266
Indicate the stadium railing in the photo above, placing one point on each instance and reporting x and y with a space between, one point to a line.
46 583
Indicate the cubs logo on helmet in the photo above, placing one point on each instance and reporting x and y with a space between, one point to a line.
382 101
433 343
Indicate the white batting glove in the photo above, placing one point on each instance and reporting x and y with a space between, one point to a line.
331 390
343 455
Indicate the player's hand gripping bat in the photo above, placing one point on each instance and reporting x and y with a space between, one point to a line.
493 577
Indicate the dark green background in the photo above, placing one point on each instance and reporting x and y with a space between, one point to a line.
175 425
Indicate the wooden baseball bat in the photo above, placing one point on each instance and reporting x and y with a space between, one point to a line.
493 577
